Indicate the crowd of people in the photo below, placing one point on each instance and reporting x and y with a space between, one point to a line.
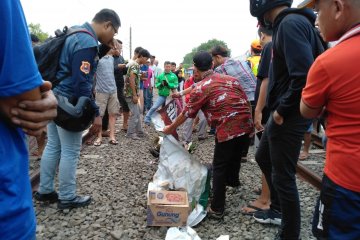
273 96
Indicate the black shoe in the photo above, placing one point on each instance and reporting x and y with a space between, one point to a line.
215 215
269 216
154 152
47 197
77 202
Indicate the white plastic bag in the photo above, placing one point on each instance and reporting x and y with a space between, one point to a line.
185 233
177 170
196 216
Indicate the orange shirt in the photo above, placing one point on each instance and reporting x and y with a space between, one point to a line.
334 82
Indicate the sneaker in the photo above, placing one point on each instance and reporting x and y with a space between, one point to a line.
269 216
47 197
77 202
132 136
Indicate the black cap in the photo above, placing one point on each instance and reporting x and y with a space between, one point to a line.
202 61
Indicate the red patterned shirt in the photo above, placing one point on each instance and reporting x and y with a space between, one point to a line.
224 104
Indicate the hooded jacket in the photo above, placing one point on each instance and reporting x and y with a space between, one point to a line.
296 44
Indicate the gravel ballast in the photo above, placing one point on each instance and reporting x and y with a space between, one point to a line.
117 176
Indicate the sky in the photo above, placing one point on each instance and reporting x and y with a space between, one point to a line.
167 29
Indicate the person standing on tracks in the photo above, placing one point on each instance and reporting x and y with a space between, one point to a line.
335 84
62 151
23 109
295 46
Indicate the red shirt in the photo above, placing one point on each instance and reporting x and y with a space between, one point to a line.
224 104
188 83
334 82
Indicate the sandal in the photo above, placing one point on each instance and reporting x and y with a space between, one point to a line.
113 142
97 142
215 215
250 213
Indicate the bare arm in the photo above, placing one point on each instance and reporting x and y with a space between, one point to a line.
261 104
172 127
308 112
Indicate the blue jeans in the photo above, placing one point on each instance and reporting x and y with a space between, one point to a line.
148 97
63 150
159 102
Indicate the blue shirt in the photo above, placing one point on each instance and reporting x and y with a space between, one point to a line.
18 74
77 65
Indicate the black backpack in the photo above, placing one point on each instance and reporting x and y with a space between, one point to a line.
47 54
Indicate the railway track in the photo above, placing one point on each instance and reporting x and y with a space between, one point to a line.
303 172
35 175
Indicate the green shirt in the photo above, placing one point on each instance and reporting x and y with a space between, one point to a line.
171 80
134 68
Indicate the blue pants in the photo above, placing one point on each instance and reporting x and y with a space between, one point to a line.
158 103
337 213
277 157
63 150
148 97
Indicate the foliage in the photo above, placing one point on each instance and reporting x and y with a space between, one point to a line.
36 30
202 47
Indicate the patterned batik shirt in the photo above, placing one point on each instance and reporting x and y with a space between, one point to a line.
242 72
134 68
224 104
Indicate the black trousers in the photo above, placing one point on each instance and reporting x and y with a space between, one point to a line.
226 166
277 157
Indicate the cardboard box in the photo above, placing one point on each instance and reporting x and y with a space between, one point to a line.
167 208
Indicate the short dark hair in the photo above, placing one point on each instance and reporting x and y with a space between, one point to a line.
219 50
137 49
173 63
202 61
167 63
152 56
34 38
144 53
103 50
106 15
265 31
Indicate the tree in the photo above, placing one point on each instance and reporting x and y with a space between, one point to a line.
36 30
202 47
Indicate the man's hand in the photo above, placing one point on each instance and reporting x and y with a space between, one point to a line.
167 130
96 126
278 119
176 95
122 66
135 99
257 120
33 116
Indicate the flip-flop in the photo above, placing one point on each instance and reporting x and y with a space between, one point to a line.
113 142
303 157
252 212
97 142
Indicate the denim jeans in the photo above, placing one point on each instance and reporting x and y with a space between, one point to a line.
134 124
158 103
148 97
62 150
226 167
277 157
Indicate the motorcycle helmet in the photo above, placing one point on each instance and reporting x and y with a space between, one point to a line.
259 7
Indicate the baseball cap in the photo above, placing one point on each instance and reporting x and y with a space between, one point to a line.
256 44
